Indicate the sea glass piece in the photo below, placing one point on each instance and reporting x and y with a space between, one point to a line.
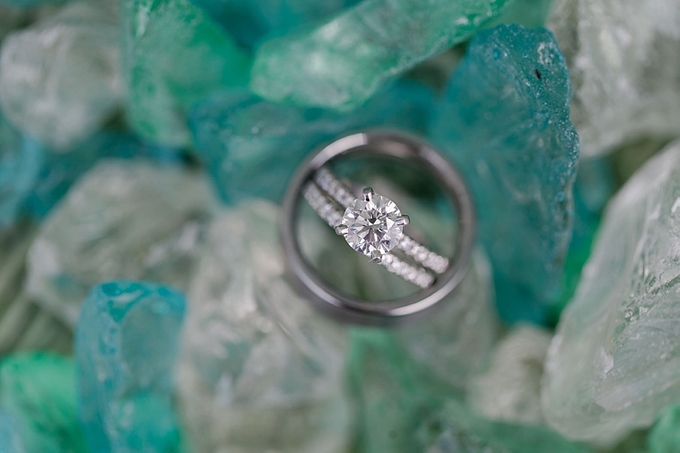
459 430
123 219
510 389
664 437
261 370
10 438
253 147
343 61
505 124
250 21
21 158
11 18
612 366
60 78
455 341
29 3
126 345
625 64
164 76
61 170
594 186
391 393
39 391
401 409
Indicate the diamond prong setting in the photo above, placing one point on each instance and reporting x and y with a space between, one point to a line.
372 224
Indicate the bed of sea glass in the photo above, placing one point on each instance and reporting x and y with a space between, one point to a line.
145 146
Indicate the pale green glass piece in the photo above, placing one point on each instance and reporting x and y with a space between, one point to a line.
613 364
510 389
624 59
343 61
462 431
260 369
530 13
60 78
174 55
122 220
402 410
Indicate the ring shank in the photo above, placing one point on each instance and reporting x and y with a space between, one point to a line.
350 309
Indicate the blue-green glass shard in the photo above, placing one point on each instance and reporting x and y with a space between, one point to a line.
505 122
253 147
20 160
126 344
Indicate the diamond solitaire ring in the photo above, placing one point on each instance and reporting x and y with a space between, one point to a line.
373 224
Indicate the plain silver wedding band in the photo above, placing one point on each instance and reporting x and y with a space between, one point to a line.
349 309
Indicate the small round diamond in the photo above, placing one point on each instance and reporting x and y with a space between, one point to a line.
374 225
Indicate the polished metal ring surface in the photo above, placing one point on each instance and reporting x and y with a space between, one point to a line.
437 276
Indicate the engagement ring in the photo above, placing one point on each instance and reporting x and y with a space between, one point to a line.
373 225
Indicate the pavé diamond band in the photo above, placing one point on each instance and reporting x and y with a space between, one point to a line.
373 224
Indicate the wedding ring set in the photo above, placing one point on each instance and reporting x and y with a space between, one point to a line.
373 225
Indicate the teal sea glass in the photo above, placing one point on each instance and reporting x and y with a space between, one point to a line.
249 21
21 158
126 345
252 147
60 170
505 124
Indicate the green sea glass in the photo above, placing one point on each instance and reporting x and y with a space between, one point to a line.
664 437
39 391
343 61
174 55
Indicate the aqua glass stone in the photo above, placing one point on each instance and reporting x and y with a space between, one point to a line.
39 391
10 438
251 20
126 344
174 55
20 160
343 61
505 124
61 170
253 147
